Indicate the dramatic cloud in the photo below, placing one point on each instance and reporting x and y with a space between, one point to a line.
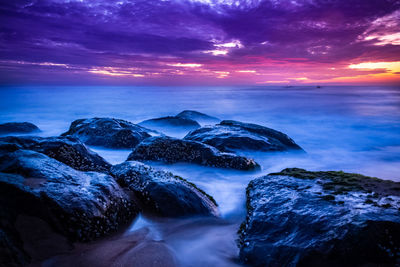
199 41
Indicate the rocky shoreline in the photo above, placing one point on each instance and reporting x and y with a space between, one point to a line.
294 217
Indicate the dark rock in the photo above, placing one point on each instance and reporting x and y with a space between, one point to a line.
18 127
172 150
198 116
79 205
68 150
232 136
171 125
162 192
136 248
11 245
108 132
301 218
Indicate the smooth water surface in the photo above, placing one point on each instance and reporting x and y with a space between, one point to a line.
354 129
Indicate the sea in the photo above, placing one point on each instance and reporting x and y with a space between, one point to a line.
349 128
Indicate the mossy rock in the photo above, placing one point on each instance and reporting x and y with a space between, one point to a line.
339 182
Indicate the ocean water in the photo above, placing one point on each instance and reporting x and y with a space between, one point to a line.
354 129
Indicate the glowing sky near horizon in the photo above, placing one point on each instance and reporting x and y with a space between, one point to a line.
200 42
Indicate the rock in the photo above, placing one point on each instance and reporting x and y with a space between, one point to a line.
233 136
68 150
198 116
79 205
172 150
18 127
11 246
108 132
162 192
171 125
301 218
130 249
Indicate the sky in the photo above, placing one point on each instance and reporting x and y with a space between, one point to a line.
200 42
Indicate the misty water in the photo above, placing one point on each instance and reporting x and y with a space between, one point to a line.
354 129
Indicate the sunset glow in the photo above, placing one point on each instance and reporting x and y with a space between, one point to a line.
200 42
389 66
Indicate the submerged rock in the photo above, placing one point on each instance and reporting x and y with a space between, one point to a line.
18 127
303 218
68 150
108 132
162 192
79 205
171 124
198 116
232 136
172 150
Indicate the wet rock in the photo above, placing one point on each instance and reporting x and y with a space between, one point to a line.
233 136
162 192
198 116
78 205
108 132
301 218
68 150
18 127
11 245
131 249
172 150
171 125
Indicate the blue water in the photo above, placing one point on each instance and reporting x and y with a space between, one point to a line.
354 129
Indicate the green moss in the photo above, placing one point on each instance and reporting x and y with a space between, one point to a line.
198 189
339 182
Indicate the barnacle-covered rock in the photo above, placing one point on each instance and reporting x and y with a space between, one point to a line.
68 150
79 205
18 128
162 192
234 136
198 116
172 150
302 218
108 132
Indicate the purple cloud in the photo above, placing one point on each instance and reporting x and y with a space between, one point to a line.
149 36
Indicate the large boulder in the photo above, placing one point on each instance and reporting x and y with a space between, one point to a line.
162 192
234 136
171 125
79 205
68 150
18 127
198 116
172 150
301 218
108 132
11 245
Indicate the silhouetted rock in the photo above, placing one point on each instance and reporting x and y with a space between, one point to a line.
78 205
162 192
108 132
68 150
232 136
171 125
18 127
301 218
198 116
11 245
172 150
